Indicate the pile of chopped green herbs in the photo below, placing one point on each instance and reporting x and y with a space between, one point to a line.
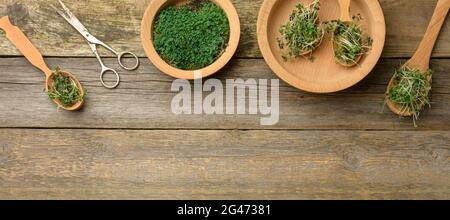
64 89
349 42
191 36
303 32
410 90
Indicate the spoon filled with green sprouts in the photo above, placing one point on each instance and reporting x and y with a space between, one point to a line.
348 40
63 88
409 89
303 32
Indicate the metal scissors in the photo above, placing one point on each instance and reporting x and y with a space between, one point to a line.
93 43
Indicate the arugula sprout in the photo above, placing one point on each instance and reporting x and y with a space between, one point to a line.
64 89
410 90
191 36
349 42
303 32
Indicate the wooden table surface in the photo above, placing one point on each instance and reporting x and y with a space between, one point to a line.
127 144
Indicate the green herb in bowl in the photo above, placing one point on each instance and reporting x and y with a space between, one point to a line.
64 89
303 32
349 42
410 90
191 36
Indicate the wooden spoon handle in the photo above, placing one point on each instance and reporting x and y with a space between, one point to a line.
23 44
345 10
421 58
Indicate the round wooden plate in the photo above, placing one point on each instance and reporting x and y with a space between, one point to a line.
323 75
147 40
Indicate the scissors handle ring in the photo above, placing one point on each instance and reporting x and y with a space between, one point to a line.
102 75
121 56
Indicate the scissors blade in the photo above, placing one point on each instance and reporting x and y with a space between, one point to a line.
71 19
66 9
62 14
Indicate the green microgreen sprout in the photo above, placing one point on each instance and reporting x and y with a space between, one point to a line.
303 32
410 90
64 89
349 41
191 36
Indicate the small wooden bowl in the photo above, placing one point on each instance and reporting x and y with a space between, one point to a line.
323 75
147 24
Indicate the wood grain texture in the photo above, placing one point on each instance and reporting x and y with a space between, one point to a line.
121 164
127 144
117 22
143 100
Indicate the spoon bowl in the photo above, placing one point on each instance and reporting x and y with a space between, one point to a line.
345 17
333 46
76 106
310 51
397 109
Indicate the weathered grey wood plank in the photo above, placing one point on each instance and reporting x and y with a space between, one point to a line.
143 100
117 22
123 164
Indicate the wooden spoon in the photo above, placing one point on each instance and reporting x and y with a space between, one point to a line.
347 19
421 59
345 11
23 44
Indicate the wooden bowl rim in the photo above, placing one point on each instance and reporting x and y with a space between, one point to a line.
147 41
264 45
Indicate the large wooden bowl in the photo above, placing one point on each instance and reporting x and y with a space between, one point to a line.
323 75
147 40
